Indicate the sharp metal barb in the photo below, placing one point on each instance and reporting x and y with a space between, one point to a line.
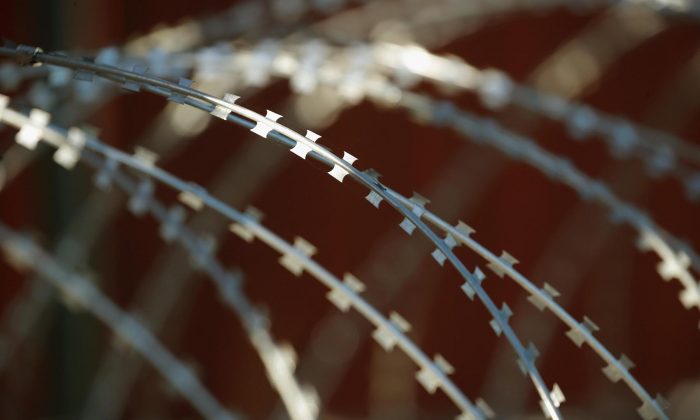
373 198
301 149
341 298
507 261
132 85
219 111
614 370
338 172
191 197
384 335
577 335
263 128
292 261
540 300
530 355
478 277
240 229
500 319
438 255
430 381
180 99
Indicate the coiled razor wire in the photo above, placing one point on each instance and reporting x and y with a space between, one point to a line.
344 294
227 109
23 253
652 236
264 125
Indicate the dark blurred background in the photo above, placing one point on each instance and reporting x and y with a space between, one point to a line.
633 62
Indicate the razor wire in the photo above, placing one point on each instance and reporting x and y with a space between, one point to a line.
409 205
503 265
563 249
414 209
264 125
227 110
390 332
23 253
